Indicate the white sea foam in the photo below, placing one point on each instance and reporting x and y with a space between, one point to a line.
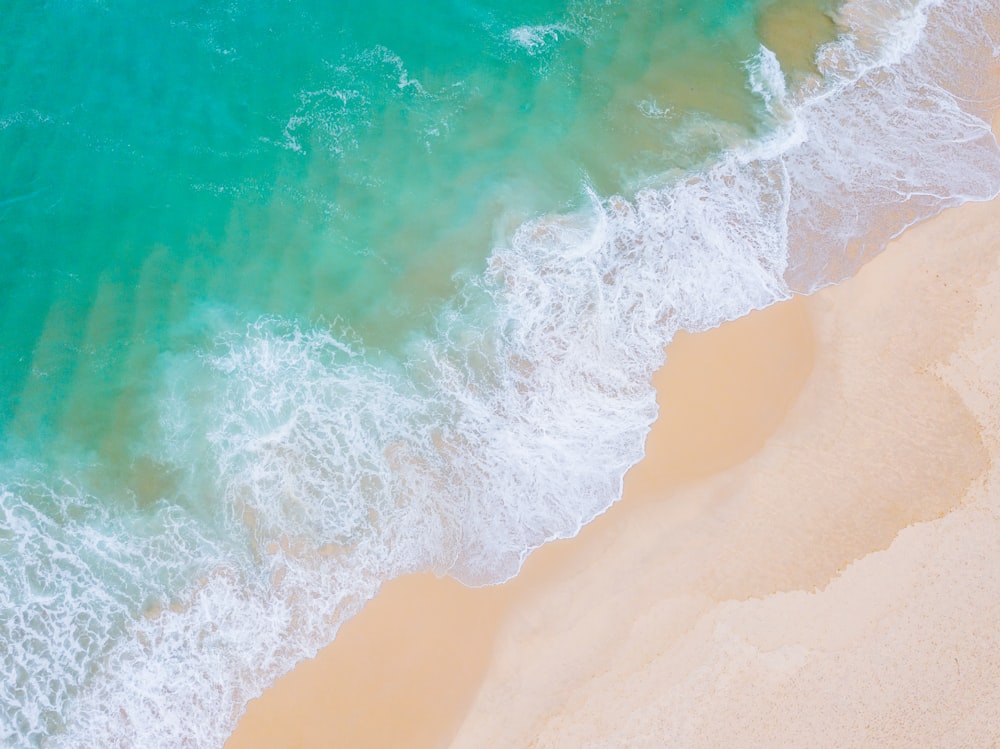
73 574
334 115
533 39
27 117
766 79
654 111
895 138
512 426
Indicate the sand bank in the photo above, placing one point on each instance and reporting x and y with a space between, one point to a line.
809 555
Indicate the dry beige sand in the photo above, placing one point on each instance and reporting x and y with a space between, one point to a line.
808 556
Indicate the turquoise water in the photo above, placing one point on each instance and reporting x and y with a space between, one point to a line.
298 297
309 161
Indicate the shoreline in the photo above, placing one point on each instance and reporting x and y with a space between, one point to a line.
429 663
405 669
839 588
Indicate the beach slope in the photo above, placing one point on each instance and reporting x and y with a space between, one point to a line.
839 588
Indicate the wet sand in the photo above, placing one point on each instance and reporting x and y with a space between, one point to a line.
809 555
403 672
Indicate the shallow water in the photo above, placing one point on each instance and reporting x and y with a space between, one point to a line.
298 298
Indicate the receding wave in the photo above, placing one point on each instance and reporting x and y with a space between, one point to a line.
512 425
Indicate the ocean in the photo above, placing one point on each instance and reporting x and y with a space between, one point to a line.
296 298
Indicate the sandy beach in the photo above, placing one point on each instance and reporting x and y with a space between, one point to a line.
809 554
839 588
